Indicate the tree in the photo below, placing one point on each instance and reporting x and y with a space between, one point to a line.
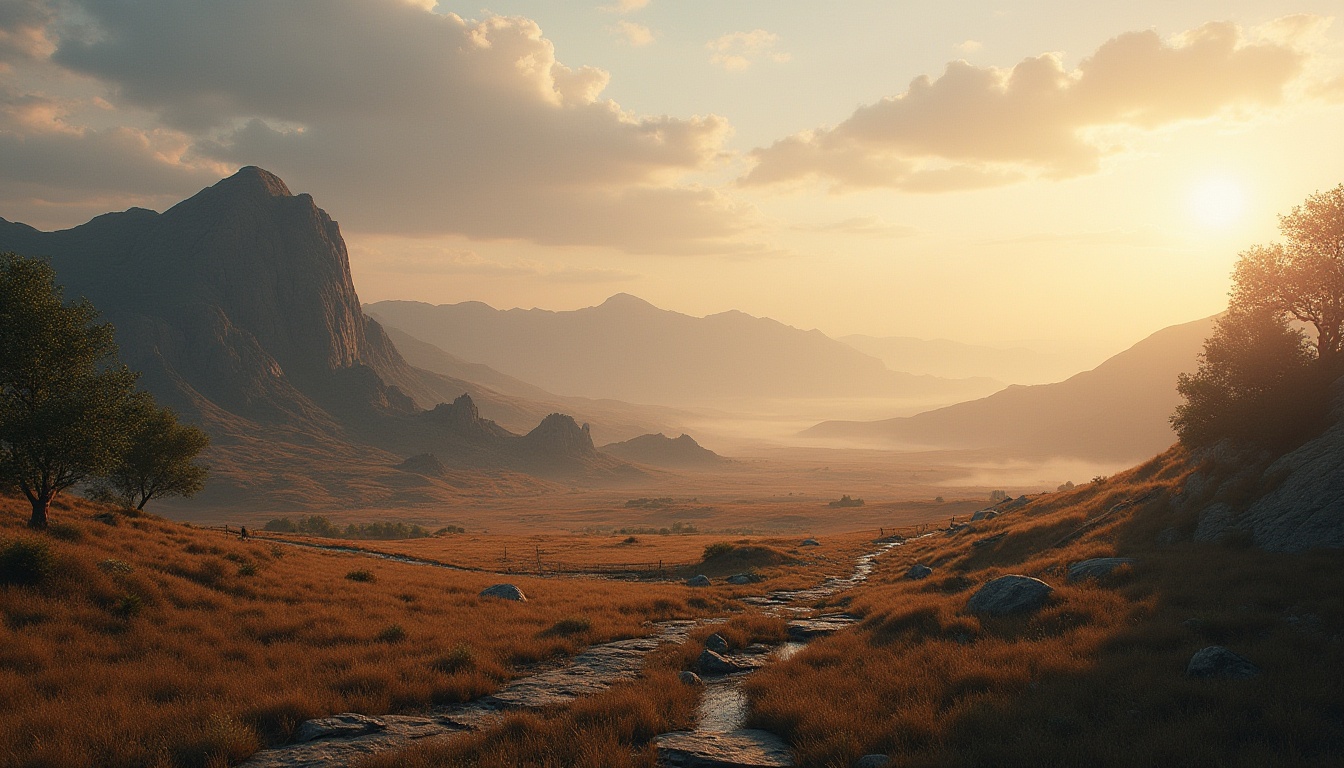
159 460
1302 278
63 398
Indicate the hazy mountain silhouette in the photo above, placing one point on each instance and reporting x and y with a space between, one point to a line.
238 306
659 450
1117 411
953 359
630 350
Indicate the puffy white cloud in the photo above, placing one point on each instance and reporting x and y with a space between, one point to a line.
982 126
397 120
633 34
738 50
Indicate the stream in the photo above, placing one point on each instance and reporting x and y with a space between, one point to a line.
718 741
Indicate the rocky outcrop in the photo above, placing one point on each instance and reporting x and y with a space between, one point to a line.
1097 567
426 464
505 592
1009 595
918 572
698 581
716 643
745 748
1217 662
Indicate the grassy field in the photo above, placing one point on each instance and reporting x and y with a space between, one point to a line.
1094 678
142 642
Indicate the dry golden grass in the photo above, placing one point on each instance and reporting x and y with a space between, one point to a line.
155 644
1094 678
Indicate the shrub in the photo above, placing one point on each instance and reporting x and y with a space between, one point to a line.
26 562
65 532
361 575
114 566
128 605
570 625
393 634
458 659
719 549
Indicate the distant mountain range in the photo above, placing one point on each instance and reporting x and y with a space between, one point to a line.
238 308
1116 412
659 450
627 349
952 359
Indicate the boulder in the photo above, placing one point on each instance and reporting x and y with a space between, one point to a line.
872 761
1008 595
337 726
505 592
698 581
980 514
712 663
690 678
918 572
716 643
743 578
810 543
1097 567
1217 662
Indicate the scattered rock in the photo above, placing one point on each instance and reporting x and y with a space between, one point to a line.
1097 567
980 514
744 748
871 761
690 678
1217 662
1009 595
989 540
716 643
806 629
743 578
505 592
342 726
918 572
953 530
712 663
810 543
698 581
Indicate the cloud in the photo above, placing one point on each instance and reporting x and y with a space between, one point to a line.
626 6
969 46
982 126
866 226
396 119
736 51
633 34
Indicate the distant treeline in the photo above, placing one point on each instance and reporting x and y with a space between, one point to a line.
316 525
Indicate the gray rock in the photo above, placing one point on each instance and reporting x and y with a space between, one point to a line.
504 592
711 663
716 643
744 748
1097 567
1217 662
810 543
690 678
698 581
337 726
872 761
980 514
989 540
918 572
743 578
1009 595
806 629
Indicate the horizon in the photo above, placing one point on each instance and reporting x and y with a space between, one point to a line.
645 153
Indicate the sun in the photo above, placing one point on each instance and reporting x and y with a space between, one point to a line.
1217 202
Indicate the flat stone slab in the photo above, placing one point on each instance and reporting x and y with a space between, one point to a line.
745 748
806 629
338 726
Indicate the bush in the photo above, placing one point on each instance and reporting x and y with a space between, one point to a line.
26 562
719 549
65 532
460 658
361 575
393 634
570 625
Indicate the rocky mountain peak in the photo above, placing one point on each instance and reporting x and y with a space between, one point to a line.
559 432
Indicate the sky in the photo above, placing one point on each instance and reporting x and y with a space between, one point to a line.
1071 174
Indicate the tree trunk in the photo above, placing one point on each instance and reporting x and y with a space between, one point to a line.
39 518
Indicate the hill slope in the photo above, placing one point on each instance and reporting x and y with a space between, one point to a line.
630 350
1115 412
662 451
941 357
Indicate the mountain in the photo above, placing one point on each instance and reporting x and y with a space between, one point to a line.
238 308
659 450
628 349
941 357
1115 412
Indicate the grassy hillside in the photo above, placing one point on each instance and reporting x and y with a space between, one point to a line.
1096 677
142 642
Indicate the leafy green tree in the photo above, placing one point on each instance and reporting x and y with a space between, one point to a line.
160 460
63 398
1303 277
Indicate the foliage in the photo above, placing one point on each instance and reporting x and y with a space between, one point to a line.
26 561
1260 380
317 525
361 575
63 399
159 461
719 549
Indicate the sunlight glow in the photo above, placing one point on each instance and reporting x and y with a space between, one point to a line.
1217 202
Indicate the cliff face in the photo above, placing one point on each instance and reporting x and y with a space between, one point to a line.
238 307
